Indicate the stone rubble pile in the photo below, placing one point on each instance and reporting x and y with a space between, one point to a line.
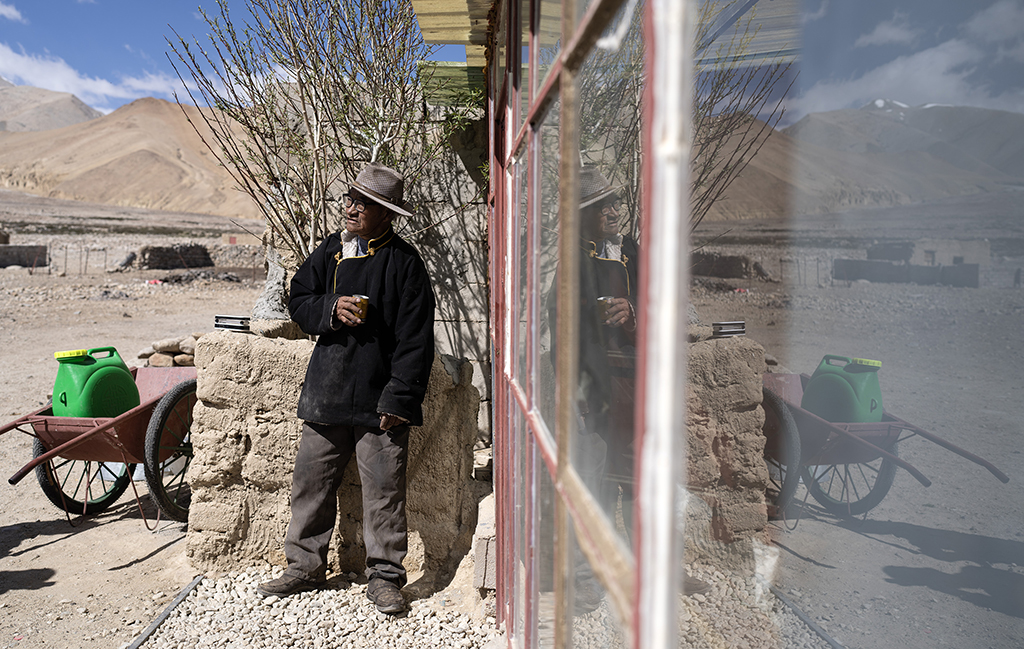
171 352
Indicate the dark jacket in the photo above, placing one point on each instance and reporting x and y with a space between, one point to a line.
381 365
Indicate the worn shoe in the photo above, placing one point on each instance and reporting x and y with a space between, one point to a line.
286 585
385 595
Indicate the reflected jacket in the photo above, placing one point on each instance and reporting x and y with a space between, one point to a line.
381 365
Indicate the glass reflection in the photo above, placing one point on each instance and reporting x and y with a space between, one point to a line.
603 451
547 263
525 80
522 529
610 89
544 575
595 623
882 222
548 38
522 299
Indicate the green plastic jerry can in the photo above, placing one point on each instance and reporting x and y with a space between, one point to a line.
844 390
93 383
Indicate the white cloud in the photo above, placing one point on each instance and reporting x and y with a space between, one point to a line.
10 12
936 75
53 73
1002 21
816 15
891 32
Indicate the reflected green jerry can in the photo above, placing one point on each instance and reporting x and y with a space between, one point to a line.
93 383
844 390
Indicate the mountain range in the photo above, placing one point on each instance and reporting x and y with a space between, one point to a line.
147 154
880 155
24 108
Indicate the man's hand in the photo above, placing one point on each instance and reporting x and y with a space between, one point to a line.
346 311
387 422
620 313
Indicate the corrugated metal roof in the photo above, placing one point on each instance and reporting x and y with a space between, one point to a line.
777 25
456 22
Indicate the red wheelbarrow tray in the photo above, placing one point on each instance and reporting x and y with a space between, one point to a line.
825 442
100 439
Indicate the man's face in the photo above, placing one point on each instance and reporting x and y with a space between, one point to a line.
601 220
371 222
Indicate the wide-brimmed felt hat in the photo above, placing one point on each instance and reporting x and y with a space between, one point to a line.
382 185
594 187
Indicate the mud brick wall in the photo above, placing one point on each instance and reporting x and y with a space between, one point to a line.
245 436
725 445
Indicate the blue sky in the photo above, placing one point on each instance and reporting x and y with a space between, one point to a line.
962 52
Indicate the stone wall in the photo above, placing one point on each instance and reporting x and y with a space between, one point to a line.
725 448
245 436
27 256
190 255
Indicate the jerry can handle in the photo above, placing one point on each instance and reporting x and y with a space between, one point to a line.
110 351
832 357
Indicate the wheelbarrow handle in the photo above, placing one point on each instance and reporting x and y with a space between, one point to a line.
21 421
949 447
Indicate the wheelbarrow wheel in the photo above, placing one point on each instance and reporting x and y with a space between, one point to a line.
781 453
851 489
169 451
81 486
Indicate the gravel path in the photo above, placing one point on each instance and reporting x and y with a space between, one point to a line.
227 612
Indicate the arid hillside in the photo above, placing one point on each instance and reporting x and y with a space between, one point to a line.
145 154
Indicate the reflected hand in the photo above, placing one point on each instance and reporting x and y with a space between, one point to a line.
620 312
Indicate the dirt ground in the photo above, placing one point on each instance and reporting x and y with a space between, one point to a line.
100 582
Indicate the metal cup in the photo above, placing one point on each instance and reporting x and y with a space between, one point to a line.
362 306
604 304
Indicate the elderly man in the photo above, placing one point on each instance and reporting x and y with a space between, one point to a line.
366 293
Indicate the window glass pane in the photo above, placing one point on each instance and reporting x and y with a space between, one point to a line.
610 86
547 264
524 64
500 47
549 38
520 222
544 556
521 523
595 623
884 214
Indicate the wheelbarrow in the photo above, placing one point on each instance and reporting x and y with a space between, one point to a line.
84 464
847 467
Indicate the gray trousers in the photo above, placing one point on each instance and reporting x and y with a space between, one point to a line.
324 451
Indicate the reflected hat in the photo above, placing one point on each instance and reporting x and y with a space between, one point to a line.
594 186
382 185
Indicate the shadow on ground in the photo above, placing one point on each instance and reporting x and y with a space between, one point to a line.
982 584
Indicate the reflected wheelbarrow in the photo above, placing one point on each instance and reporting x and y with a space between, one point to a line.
84 464
847 467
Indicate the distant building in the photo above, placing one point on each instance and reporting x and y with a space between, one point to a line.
934 252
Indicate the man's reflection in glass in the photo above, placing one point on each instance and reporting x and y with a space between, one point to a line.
608 283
